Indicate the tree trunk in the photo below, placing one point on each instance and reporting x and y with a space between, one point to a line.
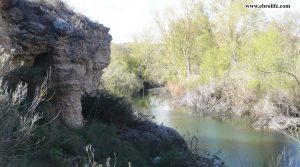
188 66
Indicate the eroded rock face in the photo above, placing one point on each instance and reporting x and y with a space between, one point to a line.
45 36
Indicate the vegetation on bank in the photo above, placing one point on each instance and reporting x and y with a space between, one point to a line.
32 135
220 56
224 60
28 138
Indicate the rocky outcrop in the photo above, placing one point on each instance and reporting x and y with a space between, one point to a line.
158 137
53 37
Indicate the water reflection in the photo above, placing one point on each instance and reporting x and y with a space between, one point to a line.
237 140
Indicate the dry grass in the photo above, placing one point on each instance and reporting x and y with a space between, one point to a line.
225 99
228 98
91 158
17 120
284 160
17 117
176 90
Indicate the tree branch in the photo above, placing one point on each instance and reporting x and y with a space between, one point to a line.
281 71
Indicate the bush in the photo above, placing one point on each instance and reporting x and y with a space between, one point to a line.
62 146
237 96
225 98
18 116
101 106
120 82
17 120
276 110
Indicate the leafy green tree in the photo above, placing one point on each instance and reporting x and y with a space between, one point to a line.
119 81
234 24
186 37
199 44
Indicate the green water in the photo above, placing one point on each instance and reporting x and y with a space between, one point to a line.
238 143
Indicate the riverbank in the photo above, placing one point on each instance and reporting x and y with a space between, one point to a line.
234 141
50 122
112 135
232 99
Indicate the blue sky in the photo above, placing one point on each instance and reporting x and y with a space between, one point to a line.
126 18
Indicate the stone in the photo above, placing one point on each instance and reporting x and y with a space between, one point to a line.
16 14
33 27
52 37
13 2
4 4
155 136
62 27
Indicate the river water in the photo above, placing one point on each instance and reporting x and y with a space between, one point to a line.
236 142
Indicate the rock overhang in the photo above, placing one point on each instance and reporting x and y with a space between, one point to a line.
75 48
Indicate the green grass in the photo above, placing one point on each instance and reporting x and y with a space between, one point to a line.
61 145
55 145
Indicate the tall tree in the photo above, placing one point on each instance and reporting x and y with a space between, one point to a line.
186 36
233 23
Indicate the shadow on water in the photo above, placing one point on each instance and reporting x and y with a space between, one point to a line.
239 143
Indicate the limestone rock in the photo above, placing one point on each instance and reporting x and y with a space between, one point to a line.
62 27
16 14
13 2
45 36
155 136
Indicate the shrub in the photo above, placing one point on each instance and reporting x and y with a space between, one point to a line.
232 97
175 90
5 65
224 98
276 110
120 82
18 117
108 108
17 120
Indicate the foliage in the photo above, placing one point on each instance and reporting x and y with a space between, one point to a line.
120 82
18 117
216 62
68 147
202 43
5 64
186 36
101 106
16 126
18 120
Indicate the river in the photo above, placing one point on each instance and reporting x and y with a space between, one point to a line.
236 142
